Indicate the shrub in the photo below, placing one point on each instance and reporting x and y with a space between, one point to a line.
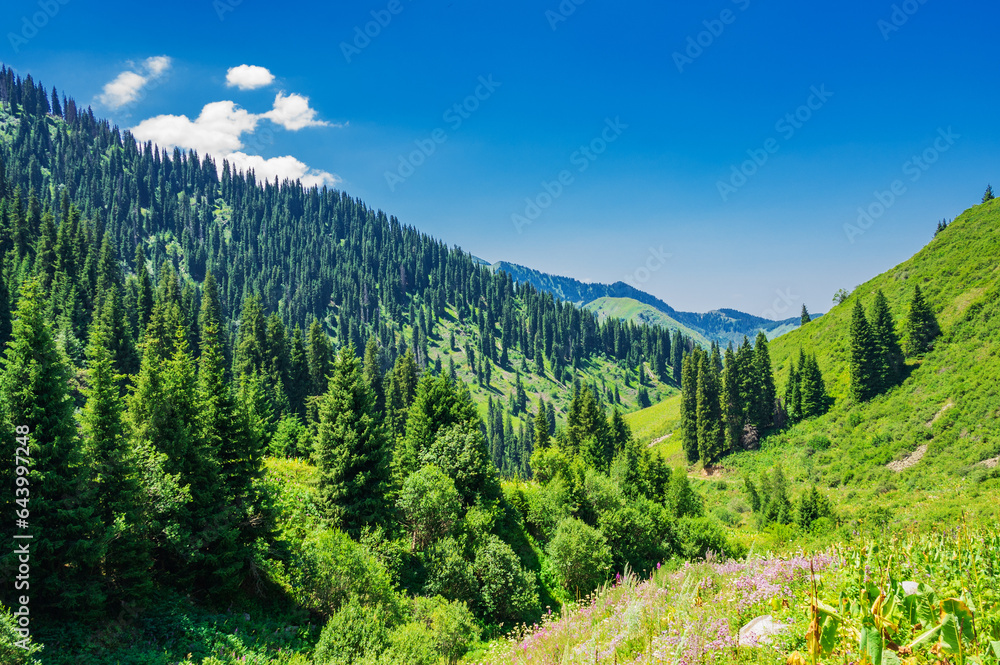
430 505
328 568
547 506
10 653
355 632
698 535
449 574
580 556
451 623
507 592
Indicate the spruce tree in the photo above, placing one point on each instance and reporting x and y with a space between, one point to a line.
708 413
889 357
804 318
988 196
689 405
352 454
541 427
118 496
320 358
765 393
732 401
68 538
793 395
863 370
813 398
921 326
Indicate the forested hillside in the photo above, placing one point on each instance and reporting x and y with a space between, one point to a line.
257 396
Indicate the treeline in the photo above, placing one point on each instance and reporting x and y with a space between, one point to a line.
726 404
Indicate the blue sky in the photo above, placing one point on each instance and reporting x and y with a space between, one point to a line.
693 90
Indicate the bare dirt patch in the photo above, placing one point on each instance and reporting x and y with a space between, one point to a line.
660 440
949 404
909 460
991 463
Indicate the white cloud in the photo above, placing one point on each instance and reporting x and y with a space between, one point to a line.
218 130
292 112
282 167
127 86
248 77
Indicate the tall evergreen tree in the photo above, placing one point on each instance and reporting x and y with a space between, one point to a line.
67 534
689 405
921 326
864 375
888 357
352 453
813 398
118 496
541 427
320 358
733 409
709 413
765 392
988 196
804 318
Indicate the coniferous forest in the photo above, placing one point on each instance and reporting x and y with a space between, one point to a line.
178 336
248 421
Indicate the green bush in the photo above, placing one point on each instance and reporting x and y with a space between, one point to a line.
449 573
580 556
507 592
547 506
328 568
429 504
356 632
10 652
698 535
451 623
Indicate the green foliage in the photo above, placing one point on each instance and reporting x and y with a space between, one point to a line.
580 556
920 327
352 453
507 592
429 504
15 648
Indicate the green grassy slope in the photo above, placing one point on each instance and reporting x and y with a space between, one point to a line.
630 309
950 401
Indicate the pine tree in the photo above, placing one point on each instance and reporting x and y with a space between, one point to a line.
117 493
352 454
320 358
889 357
921 326
805 318
732 402
372 368
863 356
68 536
813 398
541 427
764 391
988 196
793 394
709 416
689 405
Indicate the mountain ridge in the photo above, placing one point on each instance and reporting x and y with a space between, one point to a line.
720 325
